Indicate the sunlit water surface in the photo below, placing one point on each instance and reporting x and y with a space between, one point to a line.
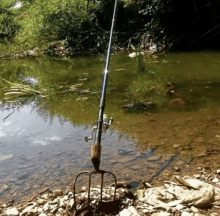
42 143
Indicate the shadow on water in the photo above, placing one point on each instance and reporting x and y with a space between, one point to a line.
42 142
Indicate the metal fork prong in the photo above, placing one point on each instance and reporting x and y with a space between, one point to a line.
102 174
90 174
74 185
115 183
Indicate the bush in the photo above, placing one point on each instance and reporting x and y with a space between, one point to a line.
53 20
8 25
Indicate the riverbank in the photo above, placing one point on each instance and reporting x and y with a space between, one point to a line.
197 195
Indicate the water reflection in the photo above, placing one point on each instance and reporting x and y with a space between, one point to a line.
42 142
36 153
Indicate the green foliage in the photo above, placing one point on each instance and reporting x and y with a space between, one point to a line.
43 22
84 24
8 25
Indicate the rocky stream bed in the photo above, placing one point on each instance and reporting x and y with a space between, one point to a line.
176 195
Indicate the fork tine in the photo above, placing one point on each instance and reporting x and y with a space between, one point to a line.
102 174
90 174
74 186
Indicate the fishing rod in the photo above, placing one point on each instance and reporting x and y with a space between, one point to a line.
95 157
103 124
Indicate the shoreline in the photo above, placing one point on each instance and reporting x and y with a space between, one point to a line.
130 201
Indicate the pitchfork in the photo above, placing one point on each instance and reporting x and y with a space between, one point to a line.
103 124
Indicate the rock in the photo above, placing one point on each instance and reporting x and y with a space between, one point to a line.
214 214
121 185
180 207
42 214
130 211
161 214
140 193
154 158
147 185
57 192
197 176
46 207
218 172
43 191
198 214
30 210
176 168
186 214
180 163
11 212
41 201
46 196
194 209
3 188
62 201
70 203
133 211
176 145
83 189
5 157
215 180
202 155
177 102
54 209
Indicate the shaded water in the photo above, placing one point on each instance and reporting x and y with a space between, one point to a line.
42 142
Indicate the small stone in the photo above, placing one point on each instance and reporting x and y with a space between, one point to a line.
197 176
154 158
70 203
140 193
176 145
11 212
46 207
186 214
214 214
3 188
46 196
176 168
198 214
180 163
54 209
57 192
41 201
218 172
130 211
194 209
43 191
180 207
83 189
215 180
161 214
147 185
202 155
30 210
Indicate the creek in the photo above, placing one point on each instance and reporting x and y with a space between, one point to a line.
42 141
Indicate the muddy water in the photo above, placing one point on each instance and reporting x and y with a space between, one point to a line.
42 141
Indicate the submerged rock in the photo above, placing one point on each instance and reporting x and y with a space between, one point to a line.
177 102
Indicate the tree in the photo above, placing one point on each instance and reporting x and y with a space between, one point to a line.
8 25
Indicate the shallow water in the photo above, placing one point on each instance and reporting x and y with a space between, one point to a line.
42 142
